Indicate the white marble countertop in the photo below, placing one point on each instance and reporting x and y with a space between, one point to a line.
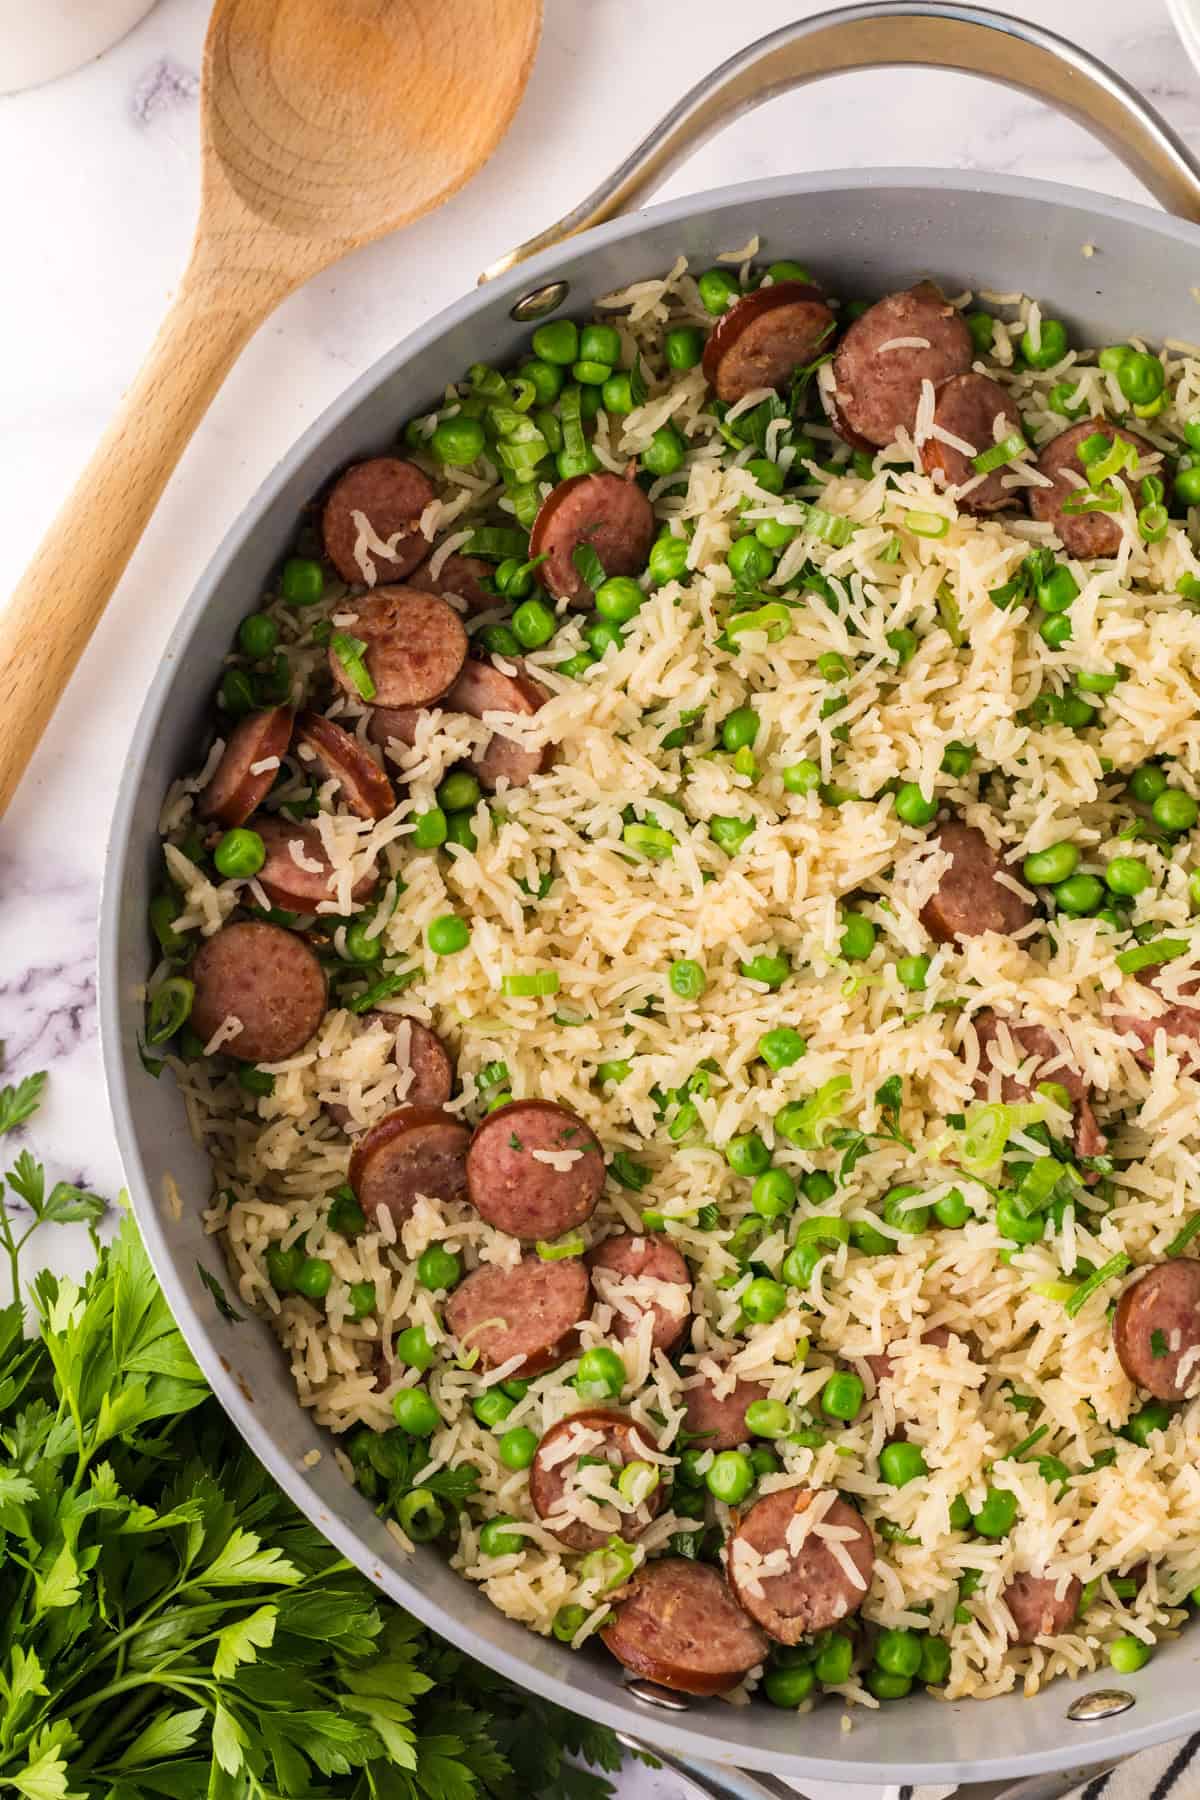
99 208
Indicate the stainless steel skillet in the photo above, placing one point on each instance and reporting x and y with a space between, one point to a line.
864 232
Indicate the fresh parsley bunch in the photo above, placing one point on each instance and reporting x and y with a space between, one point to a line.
170 1626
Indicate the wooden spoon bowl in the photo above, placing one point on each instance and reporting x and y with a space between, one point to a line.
325 124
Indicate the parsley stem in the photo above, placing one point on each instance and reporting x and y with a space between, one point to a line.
137 1705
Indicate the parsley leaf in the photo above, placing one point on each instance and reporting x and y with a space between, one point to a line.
20 1102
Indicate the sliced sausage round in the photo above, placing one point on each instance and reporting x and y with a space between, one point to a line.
239 786
365 788
640 1274
1083 534
878 375
463 576
785 1572
1156 1330
613 516
414 1150
1035 1040
720 1424
969 899
399 722
288 883
532 1311
1038 1608
676 1623
420 1050
976 409
764 337
267 978
481 689
389 495
883 1365
415 646
594 1436
534 1170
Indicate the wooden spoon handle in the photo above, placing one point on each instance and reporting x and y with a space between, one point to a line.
59 600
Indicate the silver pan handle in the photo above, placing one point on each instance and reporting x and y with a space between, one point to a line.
891 33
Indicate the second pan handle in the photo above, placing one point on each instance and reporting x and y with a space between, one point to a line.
892 34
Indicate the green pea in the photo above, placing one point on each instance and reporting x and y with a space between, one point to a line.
600 1375
800 1263
952 1210
768 1418
517 1447
601 635
782 1047
534 624
842 1396
886 1686
1058 590
345 1215
913 973
871 1242
668 559
687 979
1079 895
1127 875
717 289
447 935
362 1299
495 1540
258 635
1074 711
1154 1416
1187 485
904 642
1051 348
802 777
302 581
415 1412
1147 783
236 693
1046 868
283 1266
835 1660
591 374
617 394
766 474
240 854
414 1349
1141 378
749 561
665 452
1194 888
1059 400
997 1515
1097 681
492 1408
774 534
934 1666
568 1620
683 347
501 640
1174 810
1128 1654
911 1220
1011 1222
600 343
772 971
613 1071
773 1194
458 831
547 379
1056 631
730 1477
429 829
557 342
458 442
901 1463
789 1687
618 599
788 271
982 328
438 1268
819 1187
957 760
740 729
898 1653
459 791
912 807
858 937
747 1154
764 1300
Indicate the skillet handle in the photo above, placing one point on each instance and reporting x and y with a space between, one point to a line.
896 33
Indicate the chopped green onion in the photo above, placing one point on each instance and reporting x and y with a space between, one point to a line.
1018 1450
572 1246
1006 451
1116 1265
926 524
823 1229
615 1563
588 565
524 987
831 528
487 381
1152 522
170 1006
649 840
1120 455
1147 956
950 616
775 620
350 652
570 408
988 1128
637 382
803 1122
1182 1239
1107 499
496 543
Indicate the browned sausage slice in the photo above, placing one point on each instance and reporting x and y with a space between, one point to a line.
399 722
968 407
365 788
676 1623
1036 1041
1179 1022
236 789
1156 1330
970 900
1038 1609
481 689
414 1150
460 575
415 646
764 337
432 1070
532 1311
559 1488
714 1424
266 977
783 1566
534 1170
877 376
883 1365
621 1263
612 515
390 495
288 883
1084 534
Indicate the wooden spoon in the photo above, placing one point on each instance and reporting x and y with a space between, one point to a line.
325 124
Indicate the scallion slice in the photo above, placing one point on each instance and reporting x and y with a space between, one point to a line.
350 652
556 1252
1116 1265
831 528
775 619
170 1006
927 524
526 987
1182 1239
1006 451
1148 956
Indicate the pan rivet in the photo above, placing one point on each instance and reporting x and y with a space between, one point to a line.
539 302
653 1695
1102 1703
